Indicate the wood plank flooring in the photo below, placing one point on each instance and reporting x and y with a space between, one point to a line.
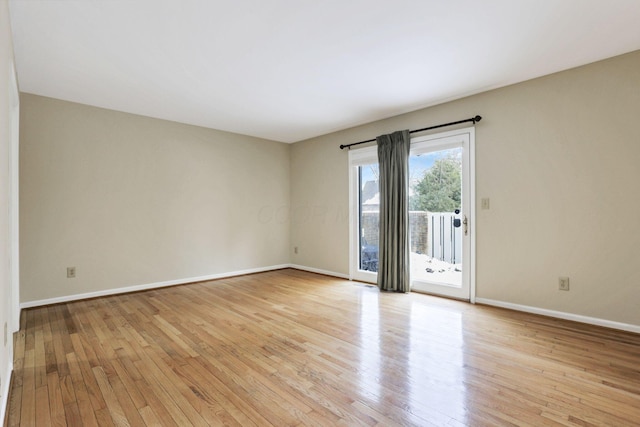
294 348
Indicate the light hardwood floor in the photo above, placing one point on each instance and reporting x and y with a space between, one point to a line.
295 348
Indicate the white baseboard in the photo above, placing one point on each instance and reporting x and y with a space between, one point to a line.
148 286
136 288
6 384
561 315
319 271
486 301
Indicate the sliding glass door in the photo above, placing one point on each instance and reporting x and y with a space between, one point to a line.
440 218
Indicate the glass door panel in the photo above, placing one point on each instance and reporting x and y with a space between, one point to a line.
436 241
438 197
364 215
369 217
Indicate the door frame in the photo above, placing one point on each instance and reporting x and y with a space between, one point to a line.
358 157
368 155
14 204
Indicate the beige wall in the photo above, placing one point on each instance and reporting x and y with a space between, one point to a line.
558 156
130 200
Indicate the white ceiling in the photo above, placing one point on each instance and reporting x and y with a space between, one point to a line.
288 70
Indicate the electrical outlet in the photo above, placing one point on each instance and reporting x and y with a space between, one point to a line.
295 249
563 283
484 203
71 272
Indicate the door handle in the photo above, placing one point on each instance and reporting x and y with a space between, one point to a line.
465 221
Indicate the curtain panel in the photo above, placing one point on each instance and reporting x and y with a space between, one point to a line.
394 250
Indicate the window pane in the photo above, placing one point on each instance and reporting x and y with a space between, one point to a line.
369 215
435 221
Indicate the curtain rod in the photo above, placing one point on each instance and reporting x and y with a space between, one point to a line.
472 119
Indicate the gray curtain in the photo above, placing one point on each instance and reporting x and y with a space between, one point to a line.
393 257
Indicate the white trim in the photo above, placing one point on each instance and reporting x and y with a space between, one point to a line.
319 271
472 214
561 315
14 199
363 156
352 195
148 286
12 318
156 285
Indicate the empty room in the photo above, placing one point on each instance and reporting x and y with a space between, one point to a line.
270 213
